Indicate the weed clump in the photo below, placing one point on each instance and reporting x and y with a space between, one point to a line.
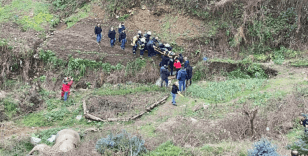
122 142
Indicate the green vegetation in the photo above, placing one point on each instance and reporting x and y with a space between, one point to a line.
35 120
10 107
135 66
225 91
29 14
167 148
299 63
126 89
45 134
82 13
249 71
260 98
122 18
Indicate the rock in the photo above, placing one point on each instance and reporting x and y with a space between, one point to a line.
34 141
78 117
205 106
194 121
52 138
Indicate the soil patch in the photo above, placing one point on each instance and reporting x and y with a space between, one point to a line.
121 106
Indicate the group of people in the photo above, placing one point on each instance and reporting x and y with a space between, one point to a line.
112 35
153 46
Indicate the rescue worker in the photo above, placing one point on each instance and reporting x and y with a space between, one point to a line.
123 39
142 47
161 47
150 48
168 47
186 63
112 36
67 83
164 73
98 31
182 74
147 36
165 60
177 65
120 29
136 39
174 91
189 70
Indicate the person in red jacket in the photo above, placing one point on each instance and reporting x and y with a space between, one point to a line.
67 83
177 65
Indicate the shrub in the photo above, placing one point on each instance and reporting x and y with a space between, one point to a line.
264 148
124 142
301 145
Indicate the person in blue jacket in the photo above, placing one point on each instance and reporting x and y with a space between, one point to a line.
112 36
182 77
147 36
98 31
123 39
150 48
161 47
186 63
120 29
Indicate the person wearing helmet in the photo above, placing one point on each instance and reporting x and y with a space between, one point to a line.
67 83
120 29
112 36
123 39
136 40
150 48
161 47
174 91
148 35
142 46
168 47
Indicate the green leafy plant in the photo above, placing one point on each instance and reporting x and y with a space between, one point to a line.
122 18
167 148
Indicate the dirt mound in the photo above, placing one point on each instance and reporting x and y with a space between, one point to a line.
121 106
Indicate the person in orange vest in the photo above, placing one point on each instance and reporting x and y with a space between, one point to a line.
67 83
177 65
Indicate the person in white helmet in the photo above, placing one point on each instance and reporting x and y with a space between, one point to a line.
136 39
142 46
148 35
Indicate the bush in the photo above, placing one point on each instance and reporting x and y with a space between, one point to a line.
301 145
124 142
264 148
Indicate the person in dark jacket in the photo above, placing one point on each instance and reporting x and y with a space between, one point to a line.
147 36
168 47
161 47
164 73
189 74
150 48
142 46
174 91
165 60
182 77
98 31
120 29
181 59
123 39
112 36
186 63
171 66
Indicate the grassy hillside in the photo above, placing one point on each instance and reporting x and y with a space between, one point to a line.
256 60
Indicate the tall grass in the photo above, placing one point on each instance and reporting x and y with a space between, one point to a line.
225 91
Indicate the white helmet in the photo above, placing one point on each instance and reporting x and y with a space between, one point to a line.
139 32
142 39
167 45
149 32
